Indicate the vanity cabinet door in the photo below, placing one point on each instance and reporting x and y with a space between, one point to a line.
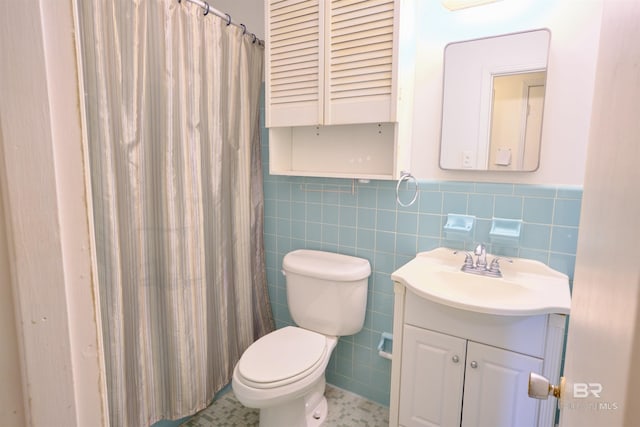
495 388
432 378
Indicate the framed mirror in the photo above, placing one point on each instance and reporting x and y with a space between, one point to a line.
493 102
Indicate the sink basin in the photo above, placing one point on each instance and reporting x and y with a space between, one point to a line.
526 287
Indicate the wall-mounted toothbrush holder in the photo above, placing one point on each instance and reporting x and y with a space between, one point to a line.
459 227
385 345
505 231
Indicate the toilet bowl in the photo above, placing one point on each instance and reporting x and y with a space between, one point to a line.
283 373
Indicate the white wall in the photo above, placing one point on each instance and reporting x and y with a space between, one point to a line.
574 30
247 12
45 201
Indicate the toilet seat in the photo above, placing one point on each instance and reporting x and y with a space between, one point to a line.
282 357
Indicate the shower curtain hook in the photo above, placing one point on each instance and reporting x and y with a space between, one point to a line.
228 19
254 37
206 10
244 29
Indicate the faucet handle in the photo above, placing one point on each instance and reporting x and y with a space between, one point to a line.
497 260
480 249
468 258
494 267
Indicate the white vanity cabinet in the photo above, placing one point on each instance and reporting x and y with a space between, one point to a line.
453 367
339 80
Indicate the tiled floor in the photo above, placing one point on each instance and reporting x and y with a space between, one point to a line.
345 410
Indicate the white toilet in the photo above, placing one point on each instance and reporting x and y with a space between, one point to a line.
282 373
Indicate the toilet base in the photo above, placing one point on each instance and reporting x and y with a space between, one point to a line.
316 417
309 410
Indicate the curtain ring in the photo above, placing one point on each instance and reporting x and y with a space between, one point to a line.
244 29
406 176
206 9
228 19
254 37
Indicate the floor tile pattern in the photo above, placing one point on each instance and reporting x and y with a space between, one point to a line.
345 410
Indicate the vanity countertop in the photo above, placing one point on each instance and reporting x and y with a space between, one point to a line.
527 287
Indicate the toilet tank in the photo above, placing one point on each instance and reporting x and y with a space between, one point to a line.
326 292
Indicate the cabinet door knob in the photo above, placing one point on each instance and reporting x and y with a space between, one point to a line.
474 364
455 359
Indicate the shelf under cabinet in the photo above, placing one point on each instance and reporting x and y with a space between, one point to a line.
365 151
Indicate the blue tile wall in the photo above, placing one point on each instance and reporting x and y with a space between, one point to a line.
319 213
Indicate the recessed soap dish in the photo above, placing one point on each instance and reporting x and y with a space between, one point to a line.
459 226
505 231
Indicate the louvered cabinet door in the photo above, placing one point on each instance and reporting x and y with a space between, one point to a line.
359 55
294 62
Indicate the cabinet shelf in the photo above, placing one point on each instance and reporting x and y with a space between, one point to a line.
349 151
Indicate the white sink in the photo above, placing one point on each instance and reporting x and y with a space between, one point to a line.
526 287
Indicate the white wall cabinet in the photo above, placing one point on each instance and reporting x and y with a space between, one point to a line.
458 368
339 79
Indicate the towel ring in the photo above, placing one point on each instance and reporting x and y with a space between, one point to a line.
406 176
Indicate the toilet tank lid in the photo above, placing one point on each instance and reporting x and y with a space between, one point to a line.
326 265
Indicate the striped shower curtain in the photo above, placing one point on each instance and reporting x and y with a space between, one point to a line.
172 112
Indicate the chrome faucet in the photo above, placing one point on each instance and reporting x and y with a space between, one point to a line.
480 265
481 253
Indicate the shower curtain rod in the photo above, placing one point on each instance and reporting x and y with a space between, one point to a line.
208 9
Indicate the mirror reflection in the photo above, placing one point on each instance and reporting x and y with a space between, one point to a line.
493 99
516 121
